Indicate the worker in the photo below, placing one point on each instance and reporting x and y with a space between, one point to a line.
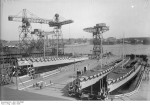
85 69
145 76
50 82
78 72
41 85
37 84
77 87
111 99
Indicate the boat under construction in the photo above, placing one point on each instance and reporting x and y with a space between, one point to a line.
100 82
63 76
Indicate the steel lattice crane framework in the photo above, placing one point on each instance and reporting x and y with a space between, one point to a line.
26 18
58 37
25 28
42 38
97 31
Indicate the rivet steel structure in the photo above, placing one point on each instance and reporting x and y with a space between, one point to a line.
97 31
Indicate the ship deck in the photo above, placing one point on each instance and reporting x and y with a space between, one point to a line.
98 69
119 71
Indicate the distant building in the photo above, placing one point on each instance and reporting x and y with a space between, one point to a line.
111 40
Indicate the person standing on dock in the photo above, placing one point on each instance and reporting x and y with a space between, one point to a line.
85 69
78 72
146 74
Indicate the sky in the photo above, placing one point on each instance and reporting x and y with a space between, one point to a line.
128 17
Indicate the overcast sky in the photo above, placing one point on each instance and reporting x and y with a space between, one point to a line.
131 17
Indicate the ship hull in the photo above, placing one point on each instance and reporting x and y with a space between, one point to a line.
120 82
98 76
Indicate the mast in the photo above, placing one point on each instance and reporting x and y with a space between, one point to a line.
101 53
74 66
123 49
74 58
57 42
44 46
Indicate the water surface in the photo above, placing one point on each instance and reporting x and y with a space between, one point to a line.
115 49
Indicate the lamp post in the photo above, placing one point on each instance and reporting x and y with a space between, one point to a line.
44 46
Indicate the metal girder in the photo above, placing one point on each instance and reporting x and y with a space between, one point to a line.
31 20
95 29
42 33
53 23
25 28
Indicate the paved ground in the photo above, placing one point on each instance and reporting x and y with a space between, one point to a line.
12 94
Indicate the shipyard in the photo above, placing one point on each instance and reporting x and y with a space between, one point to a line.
69 56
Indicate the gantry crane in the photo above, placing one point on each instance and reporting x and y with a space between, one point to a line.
26 18
58 37
97 31
25 29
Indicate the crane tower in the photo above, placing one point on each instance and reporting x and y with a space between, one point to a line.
25 35
42 38
58 37
97 31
